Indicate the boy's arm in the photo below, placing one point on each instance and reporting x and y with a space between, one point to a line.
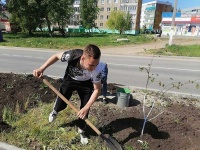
97 90
39 72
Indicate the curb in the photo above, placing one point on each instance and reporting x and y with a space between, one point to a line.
5 146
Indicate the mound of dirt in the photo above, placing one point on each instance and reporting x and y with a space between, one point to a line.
177 127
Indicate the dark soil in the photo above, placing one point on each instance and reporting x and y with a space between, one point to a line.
177 128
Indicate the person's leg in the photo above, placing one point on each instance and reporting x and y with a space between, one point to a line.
104 91
104 88
85 91
59 105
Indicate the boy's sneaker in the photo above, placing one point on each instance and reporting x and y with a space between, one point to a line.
84 139
52 116
105 101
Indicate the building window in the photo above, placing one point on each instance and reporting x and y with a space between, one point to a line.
77 2
102 1
132 8
108 9
109 1
107 17
101 17
101 24
102 9
115 1
76 9
115 8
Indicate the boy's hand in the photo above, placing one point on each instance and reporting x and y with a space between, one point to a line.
37 73
82 113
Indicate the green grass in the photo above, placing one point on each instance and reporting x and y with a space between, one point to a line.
178 50
33 128
42 40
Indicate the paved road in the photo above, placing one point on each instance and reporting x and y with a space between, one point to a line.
123 70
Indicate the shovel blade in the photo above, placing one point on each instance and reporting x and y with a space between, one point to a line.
111 143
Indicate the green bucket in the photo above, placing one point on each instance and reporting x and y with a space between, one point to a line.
123 97
124 90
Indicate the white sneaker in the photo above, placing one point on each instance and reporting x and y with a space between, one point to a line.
52 116
84 139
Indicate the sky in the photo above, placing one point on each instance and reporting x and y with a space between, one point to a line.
182 4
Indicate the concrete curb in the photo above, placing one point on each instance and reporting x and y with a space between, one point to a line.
5 146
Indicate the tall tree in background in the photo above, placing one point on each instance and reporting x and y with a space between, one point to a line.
120 21
23 13
89 12
45 8
61 13
33 13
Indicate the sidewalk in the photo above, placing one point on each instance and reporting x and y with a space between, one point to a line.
137 49
134 49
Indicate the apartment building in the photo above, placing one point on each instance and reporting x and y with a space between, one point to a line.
74 20
106 6
151 14
131 6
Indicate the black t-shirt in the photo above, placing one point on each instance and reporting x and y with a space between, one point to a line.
74 69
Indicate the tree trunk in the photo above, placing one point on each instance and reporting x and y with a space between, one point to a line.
49 26
61 29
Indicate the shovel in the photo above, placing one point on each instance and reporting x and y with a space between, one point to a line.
110 142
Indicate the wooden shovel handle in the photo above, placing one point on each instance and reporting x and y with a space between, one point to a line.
69 104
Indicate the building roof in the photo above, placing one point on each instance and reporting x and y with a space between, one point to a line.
191 9
157 1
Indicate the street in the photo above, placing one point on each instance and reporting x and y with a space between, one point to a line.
123 70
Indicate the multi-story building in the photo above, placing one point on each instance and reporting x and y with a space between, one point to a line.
151 14
186 22
75 18
106 6
131 6
191 12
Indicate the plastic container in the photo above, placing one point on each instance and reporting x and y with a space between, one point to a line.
123 97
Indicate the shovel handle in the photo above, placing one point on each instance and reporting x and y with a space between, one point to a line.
70 104
60 95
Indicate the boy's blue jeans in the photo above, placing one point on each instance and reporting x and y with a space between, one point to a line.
104 87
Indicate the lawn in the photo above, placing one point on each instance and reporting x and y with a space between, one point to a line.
42 40
177 50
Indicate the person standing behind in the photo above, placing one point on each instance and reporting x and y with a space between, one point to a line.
104 77
82 74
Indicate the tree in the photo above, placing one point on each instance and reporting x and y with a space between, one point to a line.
89 11
23 13
61 14
30 14
120 21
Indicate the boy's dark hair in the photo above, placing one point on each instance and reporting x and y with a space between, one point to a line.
92 51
